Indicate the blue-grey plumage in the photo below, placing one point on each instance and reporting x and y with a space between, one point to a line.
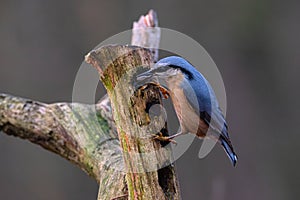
194 100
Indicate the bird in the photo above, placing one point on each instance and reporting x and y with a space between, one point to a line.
194 101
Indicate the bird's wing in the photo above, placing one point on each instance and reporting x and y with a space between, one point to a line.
212 115
202 99
216 121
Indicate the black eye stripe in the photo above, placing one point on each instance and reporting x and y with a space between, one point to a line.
186 72
160 69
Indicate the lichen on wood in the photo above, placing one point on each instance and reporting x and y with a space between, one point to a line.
117 66
77 132
87 134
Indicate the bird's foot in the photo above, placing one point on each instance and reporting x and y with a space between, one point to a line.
124 196
163 138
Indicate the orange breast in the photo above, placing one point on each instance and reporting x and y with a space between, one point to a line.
189 119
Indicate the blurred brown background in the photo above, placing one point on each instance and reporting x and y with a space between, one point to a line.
255 44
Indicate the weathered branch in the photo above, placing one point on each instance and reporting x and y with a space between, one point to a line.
76 132
86 134
146 33
143 156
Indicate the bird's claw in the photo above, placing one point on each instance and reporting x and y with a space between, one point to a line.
162 138
120 197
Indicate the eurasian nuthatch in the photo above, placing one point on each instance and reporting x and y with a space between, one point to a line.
194 100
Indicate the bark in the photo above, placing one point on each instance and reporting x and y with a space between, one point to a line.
87 134
143 156
77 132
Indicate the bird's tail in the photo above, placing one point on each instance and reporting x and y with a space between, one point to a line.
228 149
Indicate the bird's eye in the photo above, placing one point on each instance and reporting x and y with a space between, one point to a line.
160 69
